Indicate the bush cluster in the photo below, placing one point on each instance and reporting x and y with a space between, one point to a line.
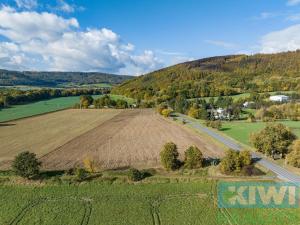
235 161
216 124
169 157
293 158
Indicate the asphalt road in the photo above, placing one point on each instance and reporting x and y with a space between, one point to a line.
282 173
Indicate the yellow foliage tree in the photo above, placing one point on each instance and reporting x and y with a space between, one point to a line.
89 165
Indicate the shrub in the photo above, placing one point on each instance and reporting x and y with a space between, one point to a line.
169 156
89 165
293 158
166 112
194 112
274 138
161 107
81 174
135 174
251 118
193 158
216 124
245 157
26 165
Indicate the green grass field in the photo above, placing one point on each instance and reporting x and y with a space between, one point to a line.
241 130
37 108
112 203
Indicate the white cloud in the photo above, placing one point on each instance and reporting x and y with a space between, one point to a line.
181 59
27 4
266 15
45 41
293 2
283 40
223 44
65 7
293 17
163 52
25 26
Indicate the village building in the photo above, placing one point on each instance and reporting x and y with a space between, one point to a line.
279 98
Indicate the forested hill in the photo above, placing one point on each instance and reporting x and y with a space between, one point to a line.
57 78
215 76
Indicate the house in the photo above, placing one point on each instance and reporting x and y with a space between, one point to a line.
279 98
219 113
248 104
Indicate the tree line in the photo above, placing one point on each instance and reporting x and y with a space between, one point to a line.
10 97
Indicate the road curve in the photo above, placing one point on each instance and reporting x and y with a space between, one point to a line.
282 173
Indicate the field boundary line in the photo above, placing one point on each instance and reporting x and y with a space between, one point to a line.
85 133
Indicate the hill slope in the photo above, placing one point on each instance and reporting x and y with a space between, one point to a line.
222 75
57 78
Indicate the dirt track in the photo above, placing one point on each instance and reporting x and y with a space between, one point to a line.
131 138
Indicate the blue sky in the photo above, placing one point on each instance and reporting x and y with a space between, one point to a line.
138 36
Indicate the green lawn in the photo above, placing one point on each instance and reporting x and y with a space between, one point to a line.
116 97
36 108
185 203
241 130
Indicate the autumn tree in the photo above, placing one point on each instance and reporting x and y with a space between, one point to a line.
273 139
26 165
293 158
193 158
234 161
86 101
169 156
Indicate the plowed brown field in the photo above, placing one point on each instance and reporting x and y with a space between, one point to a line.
43 134
130 138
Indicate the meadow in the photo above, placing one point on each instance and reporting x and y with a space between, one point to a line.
241 130
46 106
110 202
37 108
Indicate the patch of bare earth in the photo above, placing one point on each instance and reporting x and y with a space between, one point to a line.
131 138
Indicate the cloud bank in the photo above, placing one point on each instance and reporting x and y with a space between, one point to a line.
287 39
46 41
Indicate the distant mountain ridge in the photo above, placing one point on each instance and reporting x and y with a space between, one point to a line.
52 79
217 76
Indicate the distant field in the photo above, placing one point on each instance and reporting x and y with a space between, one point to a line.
241 130
45 106
43 134
36 108
110 203
72 85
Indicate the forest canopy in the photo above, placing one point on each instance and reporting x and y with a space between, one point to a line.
218 76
